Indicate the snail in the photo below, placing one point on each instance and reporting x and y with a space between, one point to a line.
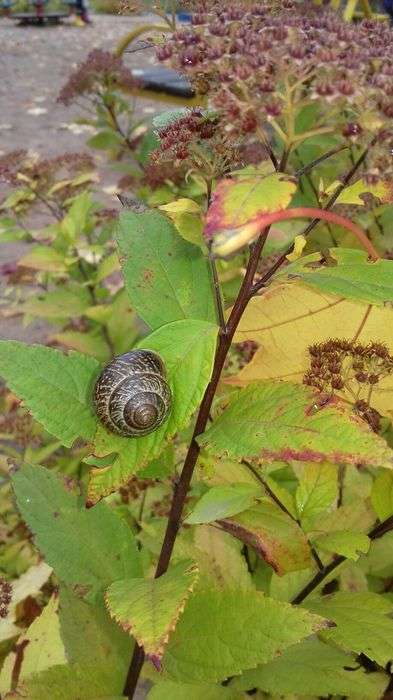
132 397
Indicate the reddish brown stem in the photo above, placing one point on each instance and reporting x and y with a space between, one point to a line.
375 533
181 488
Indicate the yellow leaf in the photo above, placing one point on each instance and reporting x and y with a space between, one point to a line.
299 244
352 194
290 317
187 217
181 206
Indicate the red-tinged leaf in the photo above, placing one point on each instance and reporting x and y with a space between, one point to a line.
238 205
284 421
274 536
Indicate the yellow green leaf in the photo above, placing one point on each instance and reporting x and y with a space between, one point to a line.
288 318
237 205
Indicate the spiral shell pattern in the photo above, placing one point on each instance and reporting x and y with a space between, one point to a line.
132 397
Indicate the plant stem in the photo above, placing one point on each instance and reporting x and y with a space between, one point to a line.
182 486
374 534
346 180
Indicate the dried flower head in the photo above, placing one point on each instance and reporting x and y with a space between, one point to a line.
195 140
5 597
100 72
352 369
248 55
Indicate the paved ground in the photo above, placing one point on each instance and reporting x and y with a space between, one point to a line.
34 64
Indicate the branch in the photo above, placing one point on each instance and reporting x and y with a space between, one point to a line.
182 486
321 214
375 533
306 168
346 180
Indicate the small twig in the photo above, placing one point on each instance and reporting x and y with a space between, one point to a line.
348 177
217 290
374 534
306 168
283 507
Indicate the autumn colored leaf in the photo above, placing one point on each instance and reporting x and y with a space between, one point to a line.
150 608
273 535
237 206
284 421
352 194
290 317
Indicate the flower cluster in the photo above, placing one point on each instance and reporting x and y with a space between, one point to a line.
196 141
5 597
247 58
177 137
101 71
352 368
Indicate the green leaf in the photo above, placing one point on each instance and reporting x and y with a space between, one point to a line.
102 643
316 493
382 495
220 560
166 277
105 140
150 608
223 501
82 682
47 381
88 548
351 275
362 623
275 536
349 544
92 344
107 267
187 348
282 421
59 304
43 257
314 668
167 690
76 218
161 467
221 633
237 205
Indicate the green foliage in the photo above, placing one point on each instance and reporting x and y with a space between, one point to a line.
349 544
166 277
362 623
223 501
215 621
282 421
267 503
66 533
348 274
167 690
273 535
150 610
321 669
45 378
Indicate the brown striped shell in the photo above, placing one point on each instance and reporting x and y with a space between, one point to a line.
132 396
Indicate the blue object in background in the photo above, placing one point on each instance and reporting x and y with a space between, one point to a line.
184 16
388 7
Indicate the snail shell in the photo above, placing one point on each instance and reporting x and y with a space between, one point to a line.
132 396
